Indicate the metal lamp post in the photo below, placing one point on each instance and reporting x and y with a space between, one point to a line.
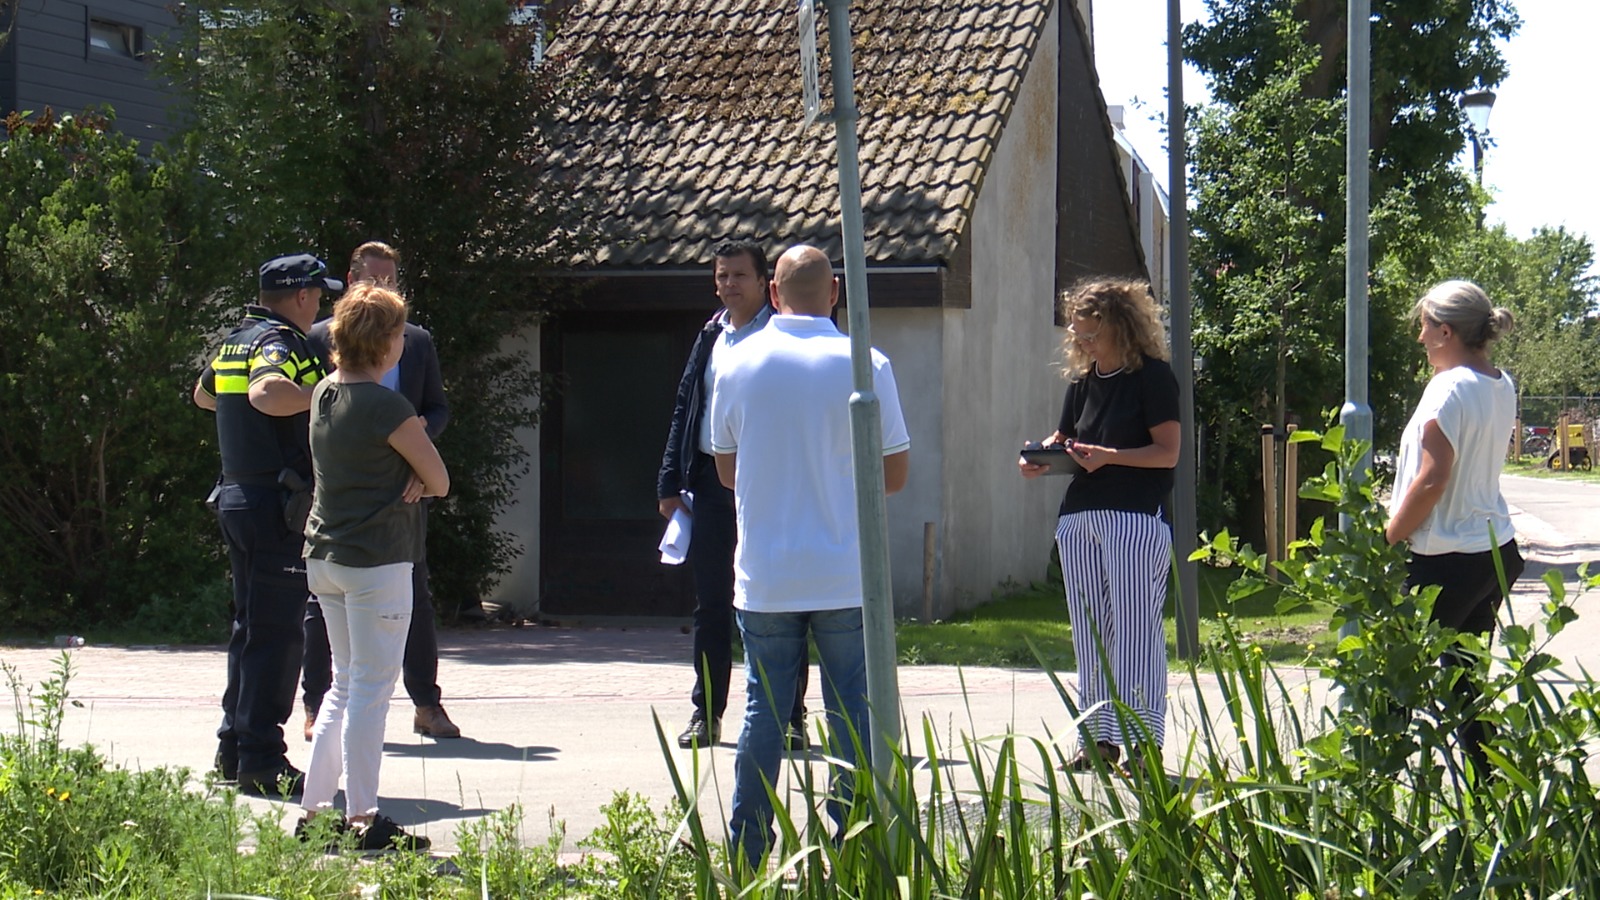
1356 414
1185 518
1478 104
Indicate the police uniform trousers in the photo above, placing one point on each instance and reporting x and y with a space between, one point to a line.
269 601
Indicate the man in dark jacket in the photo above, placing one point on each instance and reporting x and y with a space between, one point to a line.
417 378
740 271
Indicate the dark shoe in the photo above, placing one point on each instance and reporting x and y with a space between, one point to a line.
334 832
702 732
273 784
225 765
431 721
311 721
1102 753
796 738
384 834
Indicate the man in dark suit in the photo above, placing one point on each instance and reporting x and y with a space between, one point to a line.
739 270
417 378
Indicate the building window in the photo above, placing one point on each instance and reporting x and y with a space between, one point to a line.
116 39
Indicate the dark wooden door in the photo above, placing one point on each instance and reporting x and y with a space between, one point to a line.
602 437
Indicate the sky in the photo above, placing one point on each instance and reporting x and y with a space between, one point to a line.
1542 131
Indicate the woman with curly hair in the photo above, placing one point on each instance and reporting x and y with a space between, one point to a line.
1120 423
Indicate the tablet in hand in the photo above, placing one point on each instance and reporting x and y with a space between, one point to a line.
1060 459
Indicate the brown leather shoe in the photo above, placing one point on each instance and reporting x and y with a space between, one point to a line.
311 722
432 721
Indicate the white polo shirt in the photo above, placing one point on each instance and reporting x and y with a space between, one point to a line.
1476 413
781 401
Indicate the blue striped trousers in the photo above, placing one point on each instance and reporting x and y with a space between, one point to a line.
1115 566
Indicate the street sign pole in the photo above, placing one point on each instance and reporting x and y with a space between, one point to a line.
866 430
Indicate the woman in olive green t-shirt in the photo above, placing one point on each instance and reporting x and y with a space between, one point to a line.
373 461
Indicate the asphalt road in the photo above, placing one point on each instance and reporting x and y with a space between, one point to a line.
1563 516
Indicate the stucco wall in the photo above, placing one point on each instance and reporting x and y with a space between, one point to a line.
519 588
912 340
1001 377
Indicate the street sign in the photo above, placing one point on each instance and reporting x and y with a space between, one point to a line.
810 93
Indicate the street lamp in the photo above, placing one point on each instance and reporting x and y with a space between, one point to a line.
1477 105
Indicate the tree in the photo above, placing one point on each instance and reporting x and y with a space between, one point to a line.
422 123
1269 216
105 270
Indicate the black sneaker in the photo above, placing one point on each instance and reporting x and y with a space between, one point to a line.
307 828
702 732
384 834
274 783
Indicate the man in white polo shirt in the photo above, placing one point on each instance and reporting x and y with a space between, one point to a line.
780 431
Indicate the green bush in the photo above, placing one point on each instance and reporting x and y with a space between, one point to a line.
75 826
104 276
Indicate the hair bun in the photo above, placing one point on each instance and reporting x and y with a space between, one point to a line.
1501 322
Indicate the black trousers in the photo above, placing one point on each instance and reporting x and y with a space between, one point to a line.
264 648
420 670
713 536
1469 601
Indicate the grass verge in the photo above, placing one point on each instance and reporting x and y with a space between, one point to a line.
1534 468
997 633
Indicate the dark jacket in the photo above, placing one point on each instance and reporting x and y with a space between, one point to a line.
420 381
682 452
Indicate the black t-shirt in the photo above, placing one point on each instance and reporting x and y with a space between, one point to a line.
1118 410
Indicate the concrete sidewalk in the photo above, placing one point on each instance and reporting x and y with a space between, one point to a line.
555 719
560 719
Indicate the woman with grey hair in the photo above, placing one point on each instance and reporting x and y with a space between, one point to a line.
1447 501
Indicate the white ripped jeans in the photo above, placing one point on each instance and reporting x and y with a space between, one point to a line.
368 611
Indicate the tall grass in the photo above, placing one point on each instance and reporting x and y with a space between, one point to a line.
1368 798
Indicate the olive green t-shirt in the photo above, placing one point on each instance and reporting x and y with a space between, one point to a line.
357 517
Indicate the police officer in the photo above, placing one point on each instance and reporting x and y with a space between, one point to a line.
260 387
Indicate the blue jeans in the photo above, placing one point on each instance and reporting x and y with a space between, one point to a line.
775 650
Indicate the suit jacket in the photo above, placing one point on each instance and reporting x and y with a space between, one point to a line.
419 373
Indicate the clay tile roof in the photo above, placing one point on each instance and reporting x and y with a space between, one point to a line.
692 130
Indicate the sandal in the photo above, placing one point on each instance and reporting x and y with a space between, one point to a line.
1104 753
1143 761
